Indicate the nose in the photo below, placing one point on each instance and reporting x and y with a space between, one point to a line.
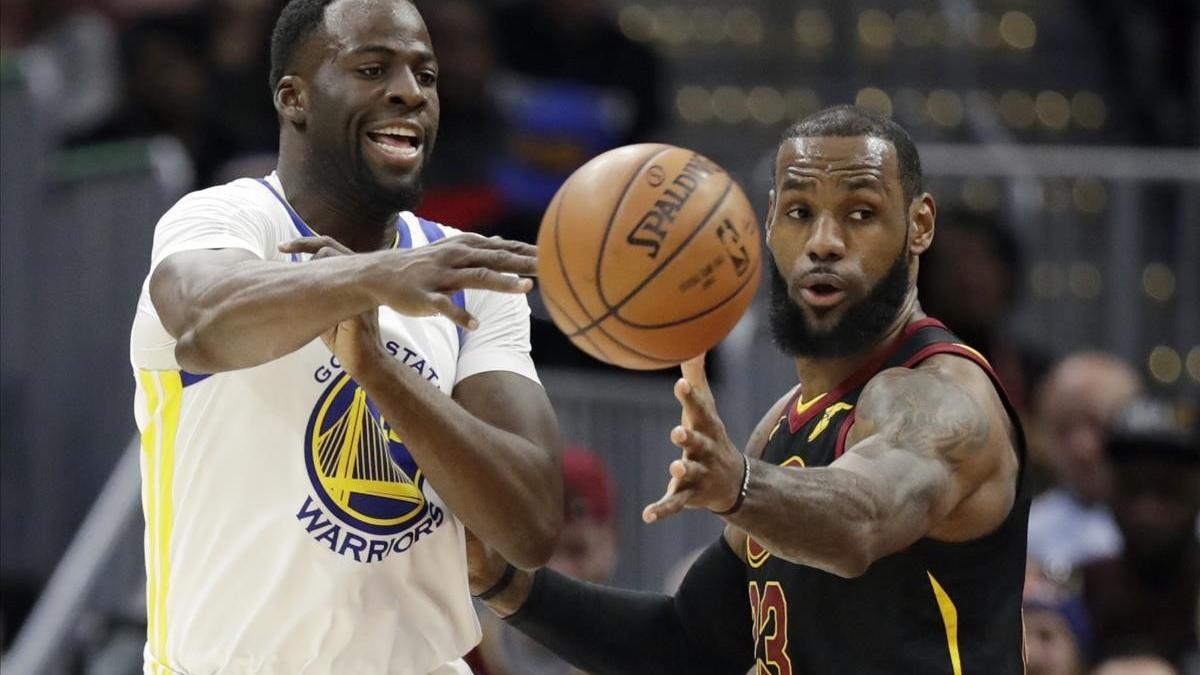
404 90
825 242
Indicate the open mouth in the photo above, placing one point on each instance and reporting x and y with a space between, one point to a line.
396 142
822 290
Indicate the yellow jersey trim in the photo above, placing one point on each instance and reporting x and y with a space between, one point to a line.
164 393
827 417
802 405
949 620
757 559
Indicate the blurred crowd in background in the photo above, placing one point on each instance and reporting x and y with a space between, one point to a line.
532 89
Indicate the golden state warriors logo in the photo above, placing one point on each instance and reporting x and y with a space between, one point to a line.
358 466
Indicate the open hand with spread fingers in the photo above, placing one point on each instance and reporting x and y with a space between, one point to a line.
354 341
710 471
420 281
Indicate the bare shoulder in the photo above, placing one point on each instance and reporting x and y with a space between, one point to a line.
947 405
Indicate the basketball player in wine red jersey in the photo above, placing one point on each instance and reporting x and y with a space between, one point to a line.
875 523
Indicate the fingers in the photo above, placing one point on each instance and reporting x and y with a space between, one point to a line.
318 247
693 371
496 260
674 501
442 304
490 280
699 409
474 240
694 445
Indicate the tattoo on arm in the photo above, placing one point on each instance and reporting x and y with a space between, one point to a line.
926 413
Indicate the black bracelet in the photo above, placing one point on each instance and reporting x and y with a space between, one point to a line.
741 494
499 586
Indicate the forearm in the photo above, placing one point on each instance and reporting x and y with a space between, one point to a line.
704 628
256 311
502 486
821 517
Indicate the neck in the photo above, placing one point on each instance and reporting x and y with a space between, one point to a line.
329 211
821 375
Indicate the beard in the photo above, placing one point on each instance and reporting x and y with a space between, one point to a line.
863 324
394 196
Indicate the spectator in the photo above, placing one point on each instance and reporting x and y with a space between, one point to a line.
460 183
1146 596
1071 524
586 550
578 87
976 257
169 86
1056 630
241 67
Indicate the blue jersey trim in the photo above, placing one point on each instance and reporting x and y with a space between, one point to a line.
297 221
188 379
434 233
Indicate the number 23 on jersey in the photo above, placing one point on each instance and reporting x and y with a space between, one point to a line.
768 606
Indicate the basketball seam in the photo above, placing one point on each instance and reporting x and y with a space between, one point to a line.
570 287
615 309
562 266
612 217
617 342
693 317
567 319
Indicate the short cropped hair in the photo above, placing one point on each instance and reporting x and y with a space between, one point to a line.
847 120
298 20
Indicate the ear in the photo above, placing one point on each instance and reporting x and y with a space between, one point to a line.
922 214
291 100
770 211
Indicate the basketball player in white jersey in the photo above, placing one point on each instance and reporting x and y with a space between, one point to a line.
318 431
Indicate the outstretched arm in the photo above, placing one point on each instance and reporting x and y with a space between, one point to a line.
703 629
228 309
930 454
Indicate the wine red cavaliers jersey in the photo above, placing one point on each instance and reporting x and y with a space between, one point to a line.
934 608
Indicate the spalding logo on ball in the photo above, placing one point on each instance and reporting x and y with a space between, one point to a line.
648 255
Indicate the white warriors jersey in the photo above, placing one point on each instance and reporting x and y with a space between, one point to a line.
288 529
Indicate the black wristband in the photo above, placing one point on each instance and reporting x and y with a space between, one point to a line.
737 504
499 586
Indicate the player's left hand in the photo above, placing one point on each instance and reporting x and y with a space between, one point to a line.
355 341
709 472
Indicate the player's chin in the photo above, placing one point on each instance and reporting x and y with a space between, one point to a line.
823 320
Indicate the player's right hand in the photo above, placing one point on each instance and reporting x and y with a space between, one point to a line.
355 341
421 281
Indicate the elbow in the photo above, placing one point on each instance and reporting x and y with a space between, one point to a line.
193 355
850 565
533 545
536 539
855 557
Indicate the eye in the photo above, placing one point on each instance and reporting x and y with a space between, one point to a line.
862 215
370 71
799 213
427 78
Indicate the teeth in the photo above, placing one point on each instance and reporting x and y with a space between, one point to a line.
395 150
396 131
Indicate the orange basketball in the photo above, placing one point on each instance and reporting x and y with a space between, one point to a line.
648 255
